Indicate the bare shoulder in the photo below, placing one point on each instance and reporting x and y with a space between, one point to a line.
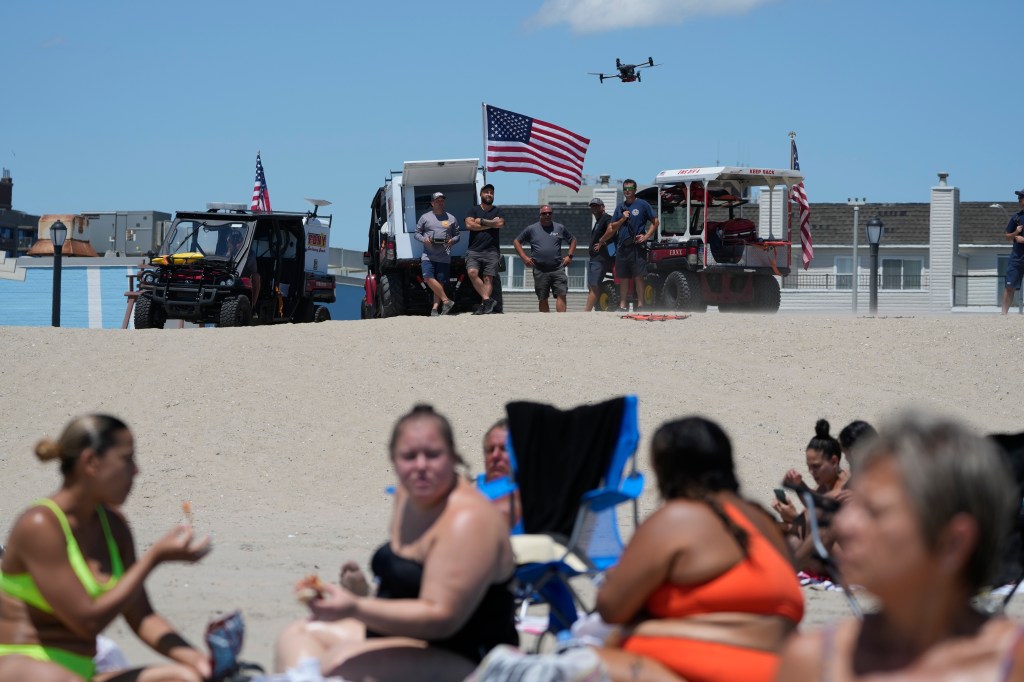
469 511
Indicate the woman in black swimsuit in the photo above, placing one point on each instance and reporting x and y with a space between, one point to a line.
444 596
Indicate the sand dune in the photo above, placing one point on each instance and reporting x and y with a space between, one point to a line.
278 435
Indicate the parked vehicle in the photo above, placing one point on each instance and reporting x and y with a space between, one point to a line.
394 282
197 277
727 260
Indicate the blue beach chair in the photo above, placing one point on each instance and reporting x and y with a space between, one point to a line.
573 469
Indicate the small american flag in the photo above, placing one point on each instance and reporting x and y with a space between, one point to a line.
520 144
799 196
260 193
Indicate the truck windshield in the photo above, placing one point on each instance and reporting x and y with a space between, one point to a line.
209 238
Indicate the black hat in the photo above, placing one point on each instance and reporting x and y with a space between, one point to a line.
1019 192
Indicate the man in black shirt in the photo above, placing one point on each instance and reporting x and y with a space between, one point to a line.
482 256
600 260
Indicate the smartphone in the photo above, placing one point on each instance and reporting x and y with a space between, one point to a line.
780 495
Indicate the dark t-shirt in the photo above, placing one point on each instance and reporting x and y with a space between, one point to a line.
599 229
546 244
640 213
1017 254
484 240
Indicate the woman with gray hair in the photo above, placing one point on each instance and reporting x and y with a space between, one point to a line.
930 505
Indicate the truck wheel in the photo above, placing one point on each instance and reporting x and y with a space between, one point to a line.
650 292
608 296
767 295
235 312
392 298
365 313
321 314
148 314
681 292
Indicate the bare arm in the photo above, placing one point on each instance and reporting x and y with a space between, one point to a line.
45 556
522 254
644 566
461 566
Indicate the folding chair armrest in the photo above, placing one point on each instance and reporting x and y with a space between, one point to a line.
603 498
499 487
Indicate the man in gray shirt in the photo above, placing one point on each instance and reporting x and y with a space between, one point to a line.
546 238
437 230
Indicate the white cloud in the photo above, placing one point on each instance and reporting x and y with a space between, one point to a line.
595 16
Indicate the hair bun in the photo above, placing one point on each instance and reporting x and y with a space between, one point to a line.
821 428
47 449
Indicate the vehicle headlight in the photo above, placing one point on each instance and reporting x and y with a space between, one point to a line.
229 281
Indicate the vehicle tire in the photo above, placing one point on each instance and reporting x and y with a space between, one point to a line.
235 312
767 294
148 314
608 296
681 292
321 314
365 312
392 298
650 293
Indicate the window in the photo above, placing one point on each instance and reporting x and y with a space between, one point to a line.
901 273
844 272
577 275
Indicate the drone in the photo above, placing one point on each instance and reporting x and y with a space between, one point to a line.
627 72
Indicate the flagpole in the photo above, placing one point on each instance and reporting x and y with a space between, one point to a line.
789 203
483 135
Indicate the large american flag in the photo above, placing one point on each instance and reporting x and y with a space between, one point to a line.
799 196
520 144
260 193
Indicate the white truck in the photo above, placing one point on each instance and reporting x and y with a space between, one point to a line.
394 282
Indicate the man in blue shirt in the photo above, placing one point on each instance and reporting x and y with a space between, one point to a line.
634 222
1015 268
545 239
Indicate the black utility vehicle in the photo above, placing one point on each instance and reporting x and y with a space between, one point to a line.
231 267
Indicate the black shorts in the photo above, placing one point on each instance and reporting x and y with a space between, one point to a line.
596 270
546 283
629 264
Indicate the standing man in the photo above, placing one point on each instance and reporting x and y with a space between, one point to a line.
1015 268
546 238
634 222
483 254
600 260
437 230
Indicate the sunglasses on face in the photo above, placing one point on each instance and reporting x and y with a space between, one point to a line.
629 189
545 212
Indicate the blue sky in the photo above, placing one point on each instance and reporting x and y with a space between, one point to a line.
137 105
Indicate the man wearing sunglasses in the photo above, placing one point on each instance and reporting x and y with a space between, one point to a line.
634 222
546 238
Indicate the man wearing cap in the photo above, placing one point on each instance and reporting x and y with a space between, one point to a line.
1015 268
482 256
600 260
546 238
437 230
634 222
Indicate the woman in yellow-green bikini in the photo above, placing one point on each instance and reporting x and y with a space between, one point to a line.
69 568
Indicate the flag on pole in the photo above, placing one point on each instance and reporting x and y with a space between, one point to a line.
520 144
799 196
260 193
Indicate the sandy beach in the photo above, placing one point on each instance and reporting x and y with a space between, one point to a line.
278 435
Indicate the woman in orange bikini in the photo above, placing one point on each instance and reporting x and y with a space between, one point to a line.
704 590
69 568
931 504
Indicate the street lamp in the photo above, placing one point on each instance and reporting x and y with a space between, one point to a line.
58 233
856 202
875 230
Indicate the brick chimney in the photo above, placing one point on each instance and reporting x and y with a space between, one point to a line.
6 191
